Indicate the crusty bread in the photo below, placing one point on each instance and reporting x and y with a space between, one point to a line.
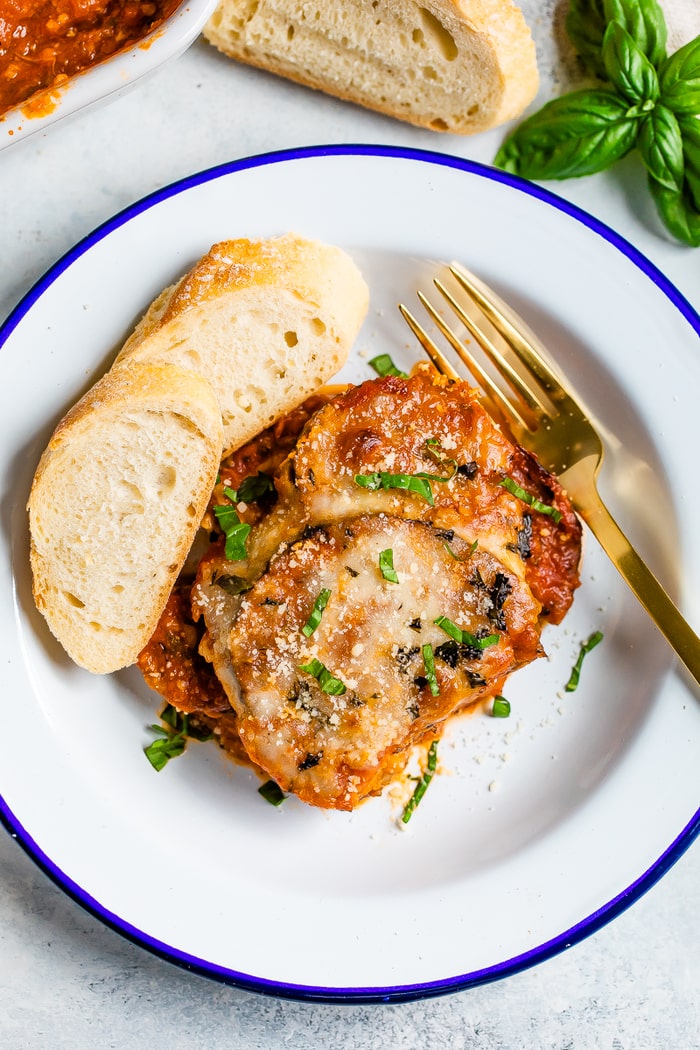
450 65
116 501
266 322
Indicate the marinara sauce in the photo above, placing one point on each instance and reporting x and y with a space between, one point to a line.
44 42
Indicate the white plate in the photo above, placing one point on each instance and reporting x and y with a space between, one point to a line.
541 827
113 76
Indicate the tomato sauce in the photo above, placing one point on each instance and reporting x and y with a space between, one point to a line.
44 42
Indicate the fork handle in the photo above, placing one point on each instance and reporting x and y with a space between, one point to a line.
677 631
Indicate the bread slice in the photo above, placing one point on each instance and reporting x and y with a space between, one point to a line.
266 322
116 501
460 66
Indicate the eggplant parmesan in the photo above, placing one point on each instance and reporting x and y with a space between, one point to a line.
379 561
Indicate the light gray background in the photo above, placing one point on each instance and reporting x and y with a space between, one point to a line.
65 980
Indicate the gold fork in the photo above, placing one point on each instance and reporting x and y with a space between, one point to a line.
546 417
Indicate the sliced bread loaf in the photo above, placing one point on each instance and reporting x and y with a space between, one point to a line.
116 501
266 322
449 65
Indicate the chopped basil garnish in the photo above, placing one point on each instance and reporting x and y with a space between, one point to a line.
272 793
501 707
422 785
465 637
386 565
384 366
235 530
329 684
316 613
253 487
532 501
172 738
586 647
429 662
415 483
436 452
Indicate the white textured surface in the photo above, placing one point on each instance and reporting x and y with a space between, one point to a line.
65 981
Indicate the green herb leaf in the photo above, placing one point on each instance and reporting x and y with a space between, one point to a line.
628 68
422 786
272 793
661 147
678 212
576 670
386 566
690 136
316 613
644 21
436 453
429 661
235 531
679 79
171 741
254 487
578 134
585 24
415 483
384 366
500 707
329 684
532 501
465 637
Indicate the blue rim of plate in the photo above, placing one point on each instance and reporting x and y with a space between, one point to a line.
393 993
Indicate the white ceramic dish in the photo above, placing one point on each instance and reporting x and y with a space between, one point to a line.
542 827
113 76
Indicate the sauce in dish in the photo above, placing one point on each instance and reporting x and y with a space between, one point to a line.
45 42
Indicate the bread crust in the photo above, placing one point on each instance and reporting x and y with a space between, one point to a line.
265 321
116 500
122 486
461 66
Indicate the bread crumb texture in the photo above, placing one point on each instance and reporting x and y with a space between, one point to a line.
116 500
460 66
266 322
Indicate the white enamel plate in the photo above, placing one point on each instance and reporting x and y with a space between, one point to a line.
540 827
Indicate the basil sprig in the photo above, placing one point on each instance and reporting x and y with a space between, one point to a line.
652 104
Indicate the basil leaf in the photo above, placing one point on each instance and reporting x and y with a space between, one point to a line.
415 483
316 613
272 793
384 366
329 684
679 79
678 212
628 68
644 21
586 647
690 136
465 637
386 565
527 497
429 662
422 785
500 707
235 531
253 487
585 25
578 134
661 147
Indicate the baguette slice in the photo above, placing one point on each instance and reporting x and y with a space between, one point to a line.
116 501
266 322
460 66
